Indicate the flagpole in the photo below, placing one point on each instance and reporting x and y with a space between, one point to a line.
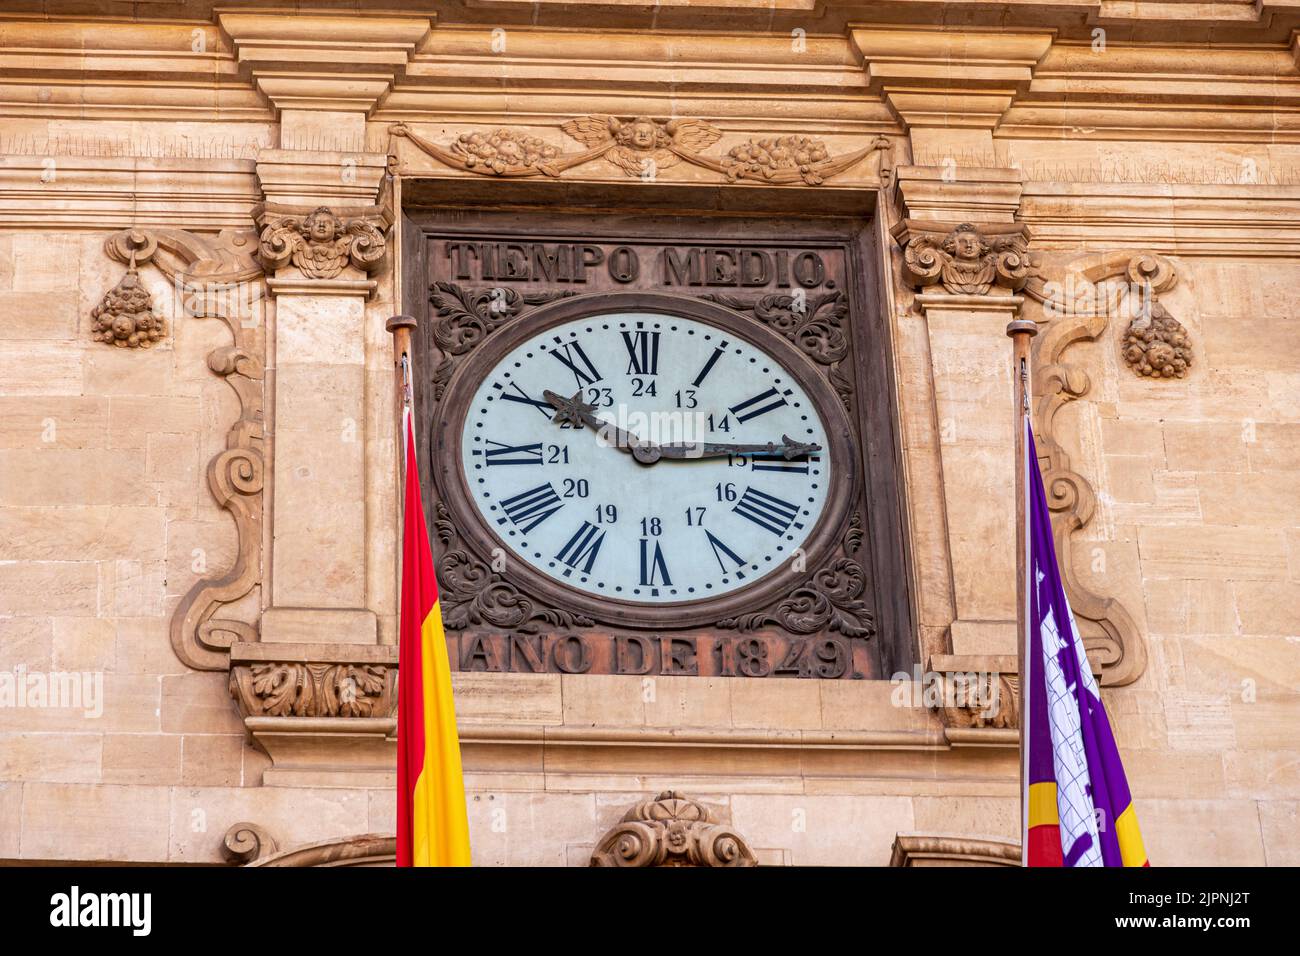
400 327
1021 331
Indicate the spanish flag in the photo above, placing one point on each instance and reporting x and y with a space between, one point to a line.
432 828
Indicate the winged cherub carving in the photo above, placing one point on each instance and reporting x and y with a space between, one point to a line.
320 244
642 146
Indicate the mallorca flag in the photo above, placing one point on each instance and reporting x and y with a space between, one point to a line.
432 828
1079 810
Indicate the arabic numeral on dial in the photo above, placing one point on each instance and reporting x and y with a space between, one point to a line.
725 492
557 454
652 526
600 397
576 488
694 516
686 399
723 424
606 514
641 387
737 461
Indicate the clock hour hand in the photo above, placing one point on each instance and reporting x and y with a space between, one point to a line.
788 449
578 413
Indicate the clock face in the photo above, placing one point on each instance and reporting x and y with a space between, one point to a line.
634 498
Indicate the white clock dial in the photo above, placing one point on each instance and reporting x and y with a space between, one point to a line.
588 514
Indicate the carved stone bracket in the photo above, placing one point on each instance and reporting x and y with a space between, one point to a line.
671 830
1082 315
324 713
965 259
218 278
641 147
927 849
977 696
320 243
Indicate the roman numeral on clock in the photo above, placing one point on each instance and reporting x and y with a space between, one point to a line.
503 454
581 549
530 508
760 404
720 550
795 466
516 394
708 366
575 359
767 511
653 565
642 351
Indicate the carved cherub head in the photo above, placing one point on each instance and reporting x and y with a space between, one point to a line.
641 133
966 244
321 225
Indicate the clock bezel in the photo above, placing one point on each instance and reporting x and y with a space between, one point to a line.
454 491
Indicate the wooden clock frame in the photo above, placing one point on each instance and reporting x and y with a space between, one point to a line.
854 588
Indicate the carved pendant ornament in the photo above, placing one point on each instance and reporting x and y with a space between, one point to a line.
218 278
964 259
125 316
1156 345
672 830
643 146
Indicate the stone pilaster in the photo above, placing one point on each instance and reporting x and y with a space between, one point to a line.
968 261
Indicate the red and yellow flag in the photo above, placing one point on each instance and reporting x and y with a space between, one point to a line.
432 828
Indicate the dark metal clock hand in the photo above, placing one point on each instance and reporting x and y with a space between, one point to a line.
788 449
578 413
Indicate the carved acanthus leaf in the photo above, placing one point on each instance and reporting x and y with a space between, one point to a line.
471 593
314 689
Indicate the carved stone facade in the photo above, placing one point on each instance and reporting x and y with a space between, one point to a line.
198 418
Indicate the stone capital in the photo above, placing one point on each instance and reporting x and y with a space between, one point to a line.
964 259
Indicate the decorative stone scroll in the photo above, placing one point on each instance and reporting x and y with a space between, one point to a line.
965 259
671 830
1094 297
641 147
314 689
218 278
319 243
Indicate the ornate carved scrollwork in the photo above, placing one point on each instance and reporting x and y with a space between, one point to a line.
314 689
642 146
831 599
246 842
1082 316
964 259
814 323
671 830
218 278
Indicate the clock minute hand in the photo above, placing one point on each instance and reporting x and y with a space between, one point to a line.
577 412
788 449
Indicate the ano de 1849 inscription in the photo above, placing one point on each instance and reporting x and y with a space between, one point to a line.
645 455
